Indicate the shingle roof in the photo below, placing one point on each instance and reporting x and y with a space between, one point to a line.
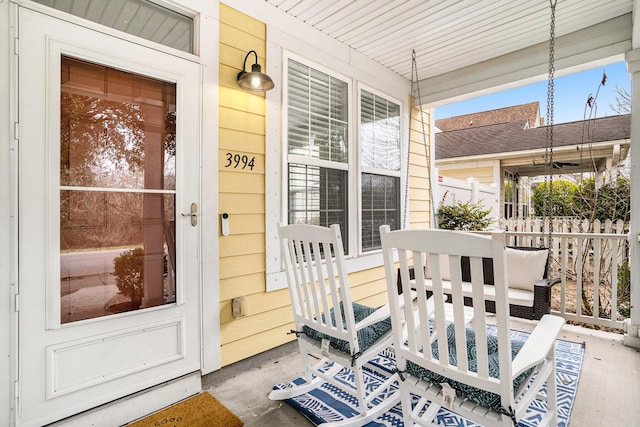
508 137
530 112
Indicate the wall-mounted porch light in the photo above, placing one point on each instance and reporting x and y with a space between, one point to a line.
255 80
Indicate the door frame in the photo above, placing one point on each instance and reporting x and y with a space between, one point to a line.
207 28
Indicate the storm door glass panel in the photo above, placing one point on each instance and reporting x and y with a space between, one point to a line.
117 191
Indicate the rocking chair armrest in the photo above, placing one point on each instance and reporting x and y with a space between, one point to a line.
382 312
538 345
378 315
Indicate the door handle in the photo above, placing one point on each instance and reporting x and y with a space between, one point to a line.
193 214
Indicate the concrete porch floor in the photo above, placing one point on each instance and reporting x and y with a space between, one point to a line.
608 389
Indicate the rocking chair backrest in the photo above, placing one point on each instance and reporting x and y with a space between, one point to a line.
317 280
428 346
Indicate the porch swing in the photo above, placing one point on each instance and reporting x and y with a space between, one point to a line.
526 257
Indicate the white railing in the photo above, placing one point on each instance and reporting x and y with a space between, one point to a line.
592 262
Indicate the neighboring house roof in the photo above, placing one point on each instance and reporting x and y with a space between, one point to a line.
513 136
525 112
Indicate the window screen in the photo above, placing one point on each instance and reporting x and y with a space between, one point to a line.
380 160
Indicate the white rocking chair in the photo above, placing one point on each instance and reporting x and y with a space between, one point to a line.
462 368
319 291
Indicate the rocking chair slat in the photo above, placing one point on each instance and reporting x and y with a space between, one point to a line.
494 378
324 314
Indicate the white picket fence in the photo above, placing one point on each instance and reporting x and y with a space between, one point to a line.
564 225
592 261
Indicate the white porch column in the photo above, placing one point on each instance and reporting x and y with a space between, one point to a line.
631 335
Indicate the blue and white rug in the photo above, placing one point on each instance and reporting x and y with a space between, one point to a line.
328 403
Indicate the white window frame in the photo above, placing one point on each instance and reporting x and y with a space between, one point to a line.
401 173
311 161
276 179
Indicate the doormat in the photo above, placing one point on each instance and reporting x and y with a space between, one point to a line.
198 411
327 402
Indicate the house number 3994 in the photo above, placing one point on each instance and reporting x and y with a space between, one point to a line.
239 161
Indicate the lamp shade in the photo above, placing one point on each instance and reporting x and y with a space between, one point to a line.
255 80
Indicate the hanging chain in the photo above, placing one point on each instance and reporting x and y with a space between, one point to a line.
427 156
405 211
548 154
416 96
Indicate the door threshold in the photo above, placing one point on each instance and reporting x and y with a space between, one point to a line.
137 405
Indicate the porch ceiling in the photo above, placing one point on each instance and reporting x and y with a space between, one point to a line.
563 163
566 161
471 41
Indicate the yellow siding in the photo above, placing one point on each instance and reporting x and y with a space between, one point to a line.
238 286
240 244
419 198
369 287
484 174
242 183
234 18
240 120
244 327
234 203
250 104
254 344
231 139
233 266
242 262
235 37
242 196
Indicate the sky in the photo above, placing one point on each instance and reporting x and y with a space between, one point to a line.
570 96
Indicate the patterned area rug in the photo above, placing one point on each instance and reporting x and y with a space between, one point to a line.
327 403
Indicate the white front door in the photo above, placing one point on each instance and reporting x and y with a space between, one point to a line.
109 260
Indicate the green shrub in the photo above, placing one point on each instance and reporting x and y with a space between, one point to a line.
129 272
610 201
563 193
463 216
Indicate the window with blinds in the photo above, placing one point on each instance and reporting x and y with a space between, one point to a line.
318 166
318 155
380 162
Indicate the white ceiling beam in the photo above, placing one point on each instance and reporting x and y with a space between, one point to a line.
635 41
597 45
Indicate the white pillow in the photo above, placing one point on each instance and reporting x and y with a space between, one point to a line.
525 268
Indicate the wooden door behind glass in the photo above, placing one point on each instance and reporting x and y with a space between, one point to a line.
117 191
